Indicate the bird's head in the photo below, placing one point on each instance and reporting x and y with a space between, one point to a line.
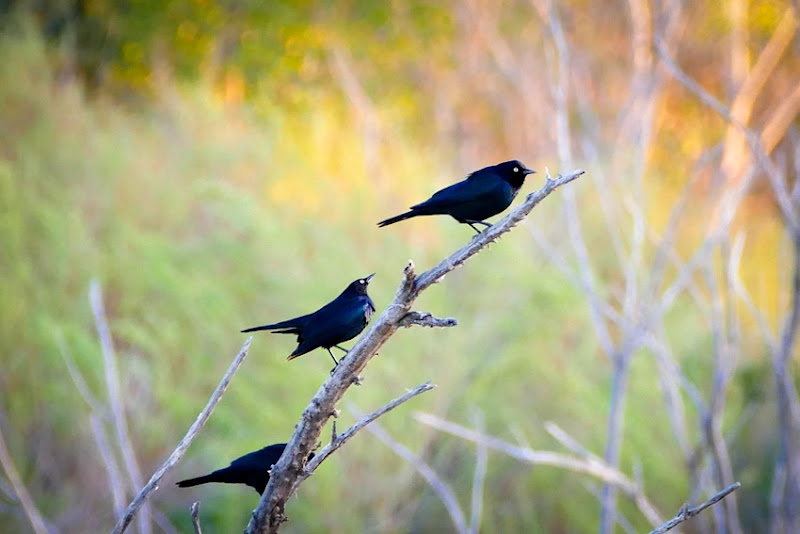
513 172
359 287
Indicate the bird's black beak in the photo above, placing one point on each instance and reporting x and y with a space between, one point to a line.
528 171
368 278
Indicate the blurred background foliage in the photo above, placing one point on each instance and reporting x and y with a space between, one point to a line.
221 164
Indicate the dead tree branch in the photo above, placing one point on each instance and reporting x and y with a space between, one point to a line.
187 440
118 416
287 473
38 524
685 512
99 415
478 478
442 489
589 465
195 514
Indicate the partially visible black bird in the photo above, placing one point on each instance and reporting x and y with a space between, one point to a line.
484 193
340 320
251 469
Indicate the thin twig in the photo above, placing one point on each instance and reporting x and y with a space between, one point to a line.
478 478
195 513
183 446
115 483
34 516
441 488
590 466
337 440
162 522
99 413
561 436
685 512
118 417
724 368
78 379
269 514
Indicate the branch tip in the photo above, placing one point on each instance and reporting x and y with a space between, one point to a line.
425 319
409 272
194 512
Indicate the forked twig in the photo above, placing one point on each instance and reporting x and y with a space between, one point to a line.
34 516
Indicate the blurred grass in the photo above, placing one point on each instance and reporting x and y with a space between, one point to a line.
200 219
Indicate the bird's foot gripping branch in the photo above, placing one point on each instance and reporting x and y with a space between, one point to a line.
290 471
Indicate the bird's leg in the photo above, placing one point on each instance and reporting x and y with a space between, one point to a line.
332 357
357 380
473 223
341 348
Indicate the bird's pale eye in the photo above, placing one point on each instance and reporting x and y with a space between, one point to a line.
516 169
362 281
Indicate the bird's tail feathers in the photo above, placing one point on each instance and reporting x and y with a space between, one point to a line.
189 482
295 330
227 475
292 326
398 218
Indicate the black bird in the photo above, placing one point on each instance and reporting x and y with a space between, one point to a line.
340 320
484 193
251 469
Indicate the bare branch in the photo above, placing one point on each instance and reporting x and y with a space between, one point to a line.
269 514
491 234
561 436
99 413
786 483
162 522
337 440
115 483
118 416
478 479
590 466
426 319
685 512
724 358
78 380
441 488
37 522
760 145
734 158
755 142
195 513
187 440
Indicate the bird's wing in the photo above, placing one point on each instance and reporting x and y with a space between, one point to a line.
262 457
332 319
466 191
